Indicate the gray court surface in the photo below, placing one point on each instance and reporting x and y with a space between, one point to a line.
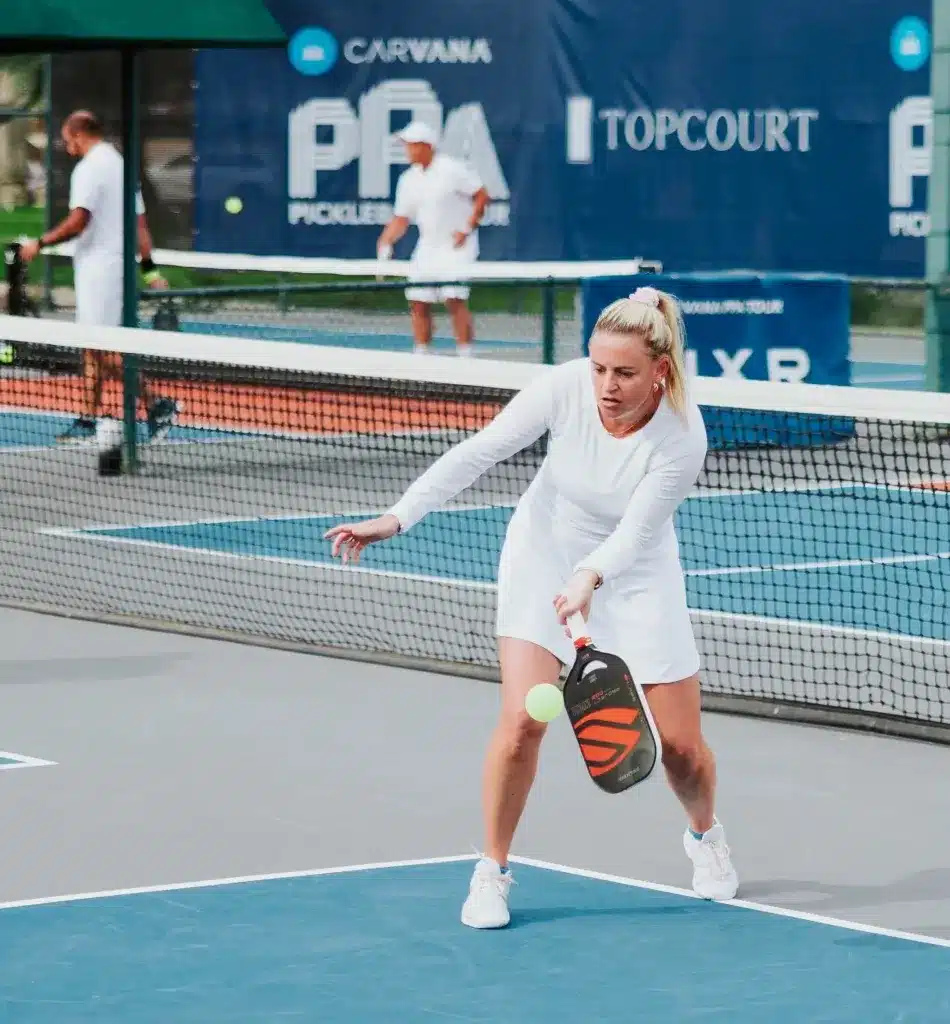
181 759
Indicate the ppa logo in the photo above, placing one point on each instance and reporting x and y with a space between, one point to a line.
326 135
911 136
911 131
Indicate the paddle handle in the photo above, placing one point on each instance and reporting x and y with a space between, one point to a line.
578 630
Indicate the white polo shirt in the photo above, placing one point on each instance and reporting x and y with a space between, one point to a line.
96 186
438 200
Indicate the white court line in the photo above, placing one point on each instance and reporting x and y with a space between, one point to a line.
22 761
819 627
831 563
913 484
762 908
456 581
331 566
225 434
84 533
94 533
759 620
147 524
209 883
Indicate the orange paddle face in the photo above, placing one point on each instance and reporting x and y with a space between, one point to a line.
613 732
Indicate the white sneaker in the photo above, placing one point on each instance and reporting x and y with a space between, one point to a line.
487 903
714 877
464 351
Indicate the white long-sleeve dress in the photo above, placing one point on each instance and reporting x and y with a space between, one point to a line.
597 502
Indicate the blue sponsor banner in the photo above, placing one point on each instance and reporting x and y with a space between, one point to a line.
304 136
781 328
793 138
778 327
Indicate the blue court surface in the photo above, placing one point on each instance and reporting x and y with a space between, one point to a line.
866 558
33 431
374 340
383 944
892 376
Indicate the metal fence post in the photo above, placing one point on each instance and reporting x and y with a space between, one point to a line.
937 316
548 320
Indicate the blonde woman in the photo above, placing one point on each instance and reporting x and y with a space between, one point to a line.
593 533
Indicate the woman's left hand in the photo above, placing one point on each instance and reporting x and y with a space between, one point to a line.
575 596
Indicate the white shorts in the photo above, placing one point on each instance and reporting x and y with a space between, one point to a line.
439 265
99 295
642 617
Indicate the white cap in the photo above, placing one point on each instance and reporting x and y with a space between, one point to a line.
418 131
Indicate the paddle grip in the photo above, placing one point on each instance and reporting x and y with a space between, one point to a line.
578 629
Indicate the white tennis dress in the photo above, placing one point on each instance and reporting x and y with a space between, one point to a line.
597 502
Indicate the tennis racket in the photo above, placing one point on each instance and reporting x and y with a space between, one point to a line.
19 302
609 714
166 316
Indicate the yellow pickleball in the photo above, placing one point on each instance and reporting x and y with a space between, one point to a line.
544 702
233 204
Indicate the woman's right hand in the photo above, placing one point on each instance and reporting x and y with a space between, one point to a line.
350 538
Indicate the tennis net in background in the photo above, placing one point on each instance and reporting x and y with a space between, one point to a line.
816 545
527 312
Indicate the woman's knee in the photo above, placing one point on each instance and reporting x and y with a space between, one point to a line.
685 756
520 734
523 665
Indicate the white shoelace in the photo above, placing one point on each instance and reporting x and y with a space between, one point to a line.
720 855
484 882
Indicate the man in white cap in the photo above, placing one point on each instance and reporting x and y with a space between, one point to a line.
446 200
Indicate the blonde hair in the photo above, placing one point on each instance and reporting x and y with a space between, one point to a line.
654 316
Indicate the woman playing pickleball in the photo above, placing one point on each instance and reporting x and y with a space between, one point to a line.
593 533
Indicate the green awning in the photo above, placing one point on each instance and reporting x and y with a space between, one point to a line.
54 25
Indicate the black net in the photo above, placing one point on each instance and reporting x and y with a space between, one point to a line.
518 318
815 546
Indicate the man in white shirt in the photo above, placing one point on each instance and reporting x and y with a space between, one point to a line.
446 200
95 221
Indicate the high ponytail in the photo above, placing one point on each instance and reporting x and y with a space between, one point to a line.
656 317
676 380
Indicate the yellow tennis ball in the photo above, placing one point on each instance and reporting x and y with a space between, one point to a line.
544 702
233 204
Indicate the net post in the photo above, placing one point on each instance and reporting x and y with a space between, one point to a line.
130 387
548 319
130 317
937 315
48 304
937 327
